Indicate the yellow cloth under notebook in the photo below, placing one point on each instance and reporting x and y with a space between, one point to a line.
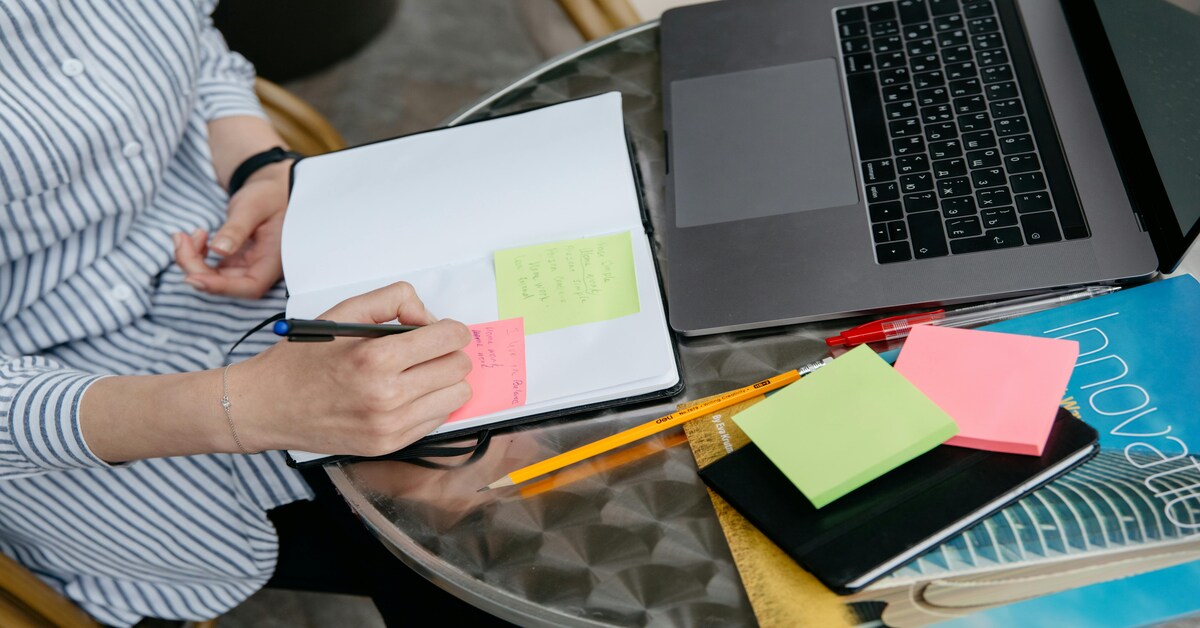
780 592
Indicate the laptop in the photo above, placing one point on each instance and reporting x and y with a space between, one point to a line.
828 158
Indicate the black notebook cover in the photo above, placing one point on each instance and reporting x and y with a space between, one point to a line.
887 522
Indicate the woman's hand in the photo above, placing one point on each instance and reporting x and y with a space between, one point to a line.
355 396
248 242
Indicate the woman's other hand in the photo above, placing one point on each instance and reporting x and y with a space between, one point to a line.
248 242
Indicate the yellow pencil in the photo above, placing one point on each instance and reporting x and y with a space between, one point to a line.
652 427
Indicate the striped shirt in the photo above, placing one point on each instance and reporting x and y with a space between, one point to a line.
103 155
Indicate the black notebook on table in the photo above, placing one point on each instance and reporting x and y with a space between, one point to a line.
861 537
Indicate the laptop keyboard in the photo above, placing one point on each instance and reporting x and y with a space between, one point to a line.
950 163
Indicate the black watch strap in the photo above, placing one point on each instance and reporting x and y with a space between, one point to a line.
256 161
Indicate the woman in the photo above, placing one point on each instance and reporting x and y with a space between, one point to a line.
125 481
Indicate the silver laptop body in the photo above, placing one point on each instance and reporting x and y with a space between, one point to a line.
768 200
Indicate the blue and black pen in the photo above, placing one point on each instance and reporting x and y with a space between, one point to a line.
302 330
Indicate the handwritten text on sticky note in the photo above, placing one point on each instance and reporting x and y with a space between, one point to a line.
497 377
567 283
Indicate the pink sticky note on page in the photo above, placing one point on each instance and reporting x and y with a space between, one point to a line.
1003 390
497 377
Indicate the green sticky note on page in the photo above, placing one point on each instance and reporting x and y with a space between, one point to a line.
571 282
844 425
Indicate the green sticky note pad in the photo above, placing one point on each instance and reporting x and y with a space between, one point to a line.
567 283
844 425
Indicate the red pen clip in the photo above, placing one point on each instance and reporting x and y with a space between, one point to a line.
883 329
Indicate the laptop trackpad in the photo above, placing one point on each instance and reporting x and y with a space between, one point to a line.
760 143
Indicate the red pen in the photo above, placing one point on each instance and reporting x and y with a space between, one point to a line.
883 329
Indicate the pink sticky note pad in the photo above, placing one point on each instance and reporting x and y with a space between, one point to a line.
497 377
1003 390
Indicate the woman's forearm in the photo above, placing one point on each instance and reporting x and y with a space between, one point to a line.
150 416
233 139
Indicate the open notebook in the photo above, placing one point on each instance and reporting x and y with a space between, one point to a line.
435 209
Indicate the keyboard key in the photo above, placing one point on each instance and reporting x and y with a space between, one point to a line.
964 87
945 150
969 104
1028 182
1040 228
998 217
881 11
892 252
978 121
921 47
997 91
897 93
887 60
988 177
914 32
852 29
991 239
932 96
991 57
893 43
1016 144
974 10
861 62
976 140
898 110
987 41
885 28
958 207
920 202
928 239
928 79
912 11
1027 162
879 232
904 128
996 73
912 164
995 197
856 44
982 25
850 14
952 39
1006 108
878 171
943 7
958 54
956 71
868 117
913 183
895 76
985 158
956 186
947 22
882 212
1030 202
908 145
926 63
940 131
1011 126
897 230
949 168
963 227
936 114
879 192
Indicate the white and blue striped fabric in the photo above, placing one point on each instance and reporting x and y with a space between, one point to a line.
103 155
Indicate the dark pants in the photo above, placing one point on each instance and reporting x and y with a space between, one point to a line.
323 547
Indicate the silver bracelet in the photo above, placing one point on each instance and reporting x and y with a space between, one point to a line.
227 406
